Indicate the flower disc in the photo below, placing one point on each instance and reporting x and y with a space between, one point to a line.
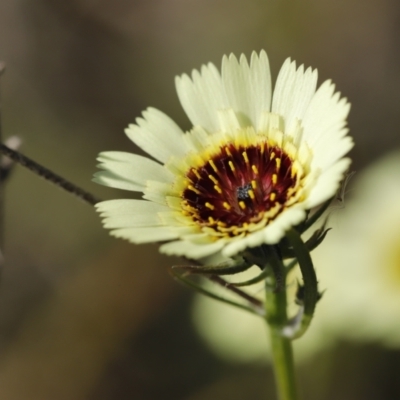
239 187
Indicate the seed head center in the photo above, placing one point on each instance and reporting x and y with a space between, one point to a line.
242 192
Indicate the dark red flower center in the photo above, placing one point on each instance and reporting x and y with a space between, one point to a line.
239 186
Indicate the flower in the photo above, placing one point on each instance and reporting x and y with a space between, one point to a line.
250 168
362 301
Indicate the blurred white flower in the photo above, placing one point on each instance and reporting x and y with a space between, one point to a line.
359 263
253 164
239 336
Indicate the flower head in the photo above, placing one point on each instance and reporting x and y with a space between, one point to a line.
250 168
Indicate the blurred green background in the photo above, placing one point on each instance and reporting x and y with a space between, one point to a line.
86 316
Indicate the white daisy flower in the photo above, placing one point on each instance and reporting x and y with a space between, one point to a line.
362 300
254 162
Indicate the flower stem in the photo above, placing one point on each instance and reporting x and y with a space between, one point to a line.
282 356
276 317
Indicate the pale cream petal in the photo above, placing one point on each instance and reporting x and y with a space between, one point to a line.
248 88
326 114
176 218
327 184
107 178
158 135
271 234
132 221
228 121
199 138
330 150
293 92
202 96
146 234
269 122
130 213
130 168
143 165
159 192
190 249
235 246
286 220
120 207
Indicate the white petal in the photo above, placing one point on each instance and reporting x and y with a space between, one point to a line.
327 184
330 150
202 96
271 234
191 250
159 191
238 245
120 207
158 135
146 234
129 168
248 88
132 221
199 138
269 122
326 114
293 92
109 179
275 231
130 213
228 120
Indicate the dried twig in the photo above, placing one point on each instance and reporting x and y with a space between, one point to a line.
49 175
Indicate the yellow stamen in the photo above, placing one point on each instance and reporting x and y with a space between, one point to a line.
246 159
226 205
194 171
211 220
242 205
278 163
209 205
213 179
272 156
190 208
251 194
211 162
231 166
193 189
272 196
228 152
218 189
254 184
255 169
274 178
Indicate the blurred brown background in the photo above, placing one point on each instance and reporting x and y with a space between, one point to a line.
85 316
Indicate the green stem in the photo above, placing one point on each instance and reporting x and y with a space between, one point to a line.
276 317
282 357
